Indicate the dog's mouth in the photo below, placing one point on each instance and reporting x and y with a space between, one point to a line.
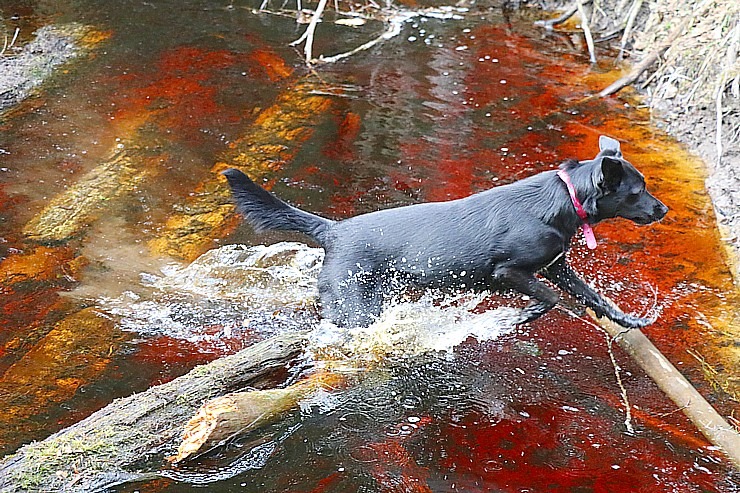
644 220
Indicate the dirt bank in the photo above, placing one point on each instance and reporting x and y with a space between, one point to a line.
693 88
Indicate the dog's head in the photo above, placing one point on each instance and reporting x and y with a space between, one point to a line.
617 188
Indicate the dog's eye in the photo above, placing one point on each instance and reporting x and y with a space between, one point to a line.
633 197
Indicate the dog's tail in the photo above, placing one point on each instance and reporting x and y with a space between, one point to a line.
264 211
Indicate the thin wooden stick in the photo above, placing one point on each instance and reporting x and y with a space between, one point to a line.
731 59
549 24
676 387
651 57
718 109
636 6
311 29
586 31
646 62
622 389
394 29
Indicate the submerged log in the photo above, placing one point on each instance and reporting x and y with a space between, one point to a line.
106 448
76 351
712 425
69 214
273 140
22 73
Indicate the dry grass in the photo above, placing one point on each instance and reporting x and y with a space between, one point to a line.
700 69
703 61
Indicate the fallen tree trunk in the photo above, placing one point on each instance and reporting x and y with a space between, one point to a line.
676 387
106 448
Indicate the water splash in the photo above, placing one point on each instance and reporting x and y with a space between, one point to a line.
280 274
223 292
408 329
235 286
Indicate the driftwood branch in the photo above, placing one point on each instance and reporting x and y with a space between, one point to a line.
647 61
634 10
392 18
578 6
586 31
676 387
311 29
108 447
394 26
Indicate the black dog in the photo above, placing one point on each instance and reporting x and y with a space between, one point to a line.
493 239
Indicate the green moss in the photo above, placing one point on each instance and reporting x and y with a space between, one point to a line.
58 460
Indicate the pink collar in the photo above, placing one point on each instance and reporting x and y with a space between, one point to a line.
588 231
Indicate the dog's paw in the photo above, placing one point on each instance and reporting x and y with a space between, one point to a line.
632 322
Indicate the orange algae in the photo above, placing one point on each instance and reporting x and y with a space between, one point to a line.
76 351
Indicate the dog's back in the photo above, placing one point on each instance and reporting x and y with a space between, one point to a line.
456 242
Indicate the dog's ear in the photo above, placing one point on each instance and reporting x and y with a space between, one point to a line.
611 174
611 146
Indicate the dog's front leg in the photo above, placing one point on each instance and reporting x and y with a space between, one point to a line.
566 279
543 298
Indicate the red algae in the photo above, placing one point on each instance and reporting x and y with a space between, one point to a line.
33 279
183 89
73 353
342 147
392 465
546 449
268 65
327 484
175 356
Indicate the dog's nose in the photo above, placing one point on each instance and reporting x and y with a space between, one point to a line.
661 210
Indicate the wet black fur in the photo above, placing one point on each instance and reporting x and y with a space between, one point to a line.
498 238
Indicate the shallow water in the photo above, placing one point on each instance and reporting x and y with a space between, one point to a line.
448 108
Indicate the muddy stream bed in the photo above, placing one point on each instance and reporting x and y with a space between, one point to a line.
109 188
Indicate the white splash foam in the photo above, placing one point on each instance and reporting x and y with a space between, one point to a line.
233 285
230 286
283 273
410 328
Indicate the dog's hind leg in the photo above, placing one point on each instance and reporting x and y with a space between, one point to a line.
355 301
566 279
543 298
